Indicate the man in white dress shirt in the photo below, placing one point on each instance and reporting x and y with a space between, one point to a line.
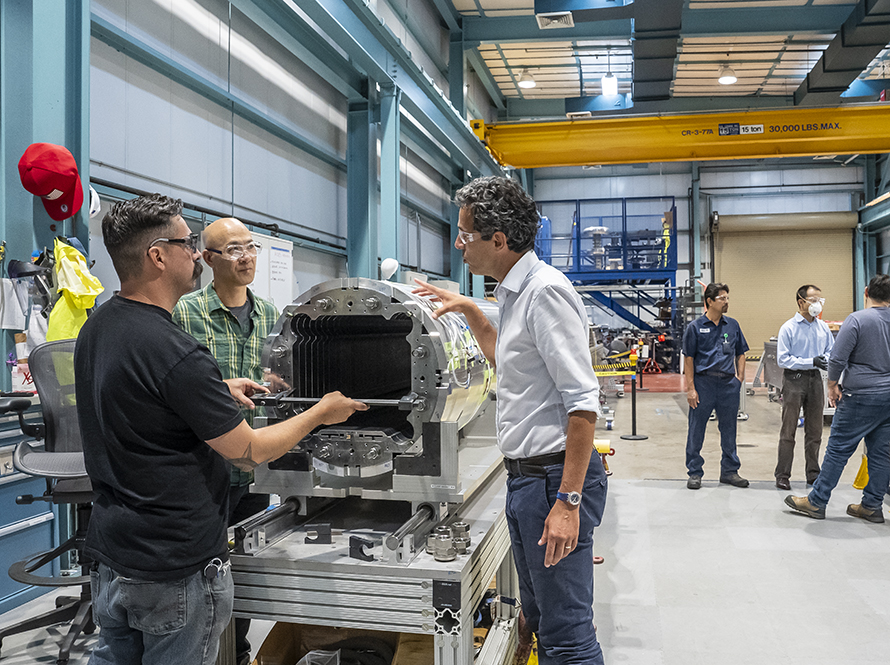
804 346
547 407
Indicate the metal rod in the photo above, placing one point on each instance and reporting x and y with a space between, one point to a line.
316 400
423 515
290 505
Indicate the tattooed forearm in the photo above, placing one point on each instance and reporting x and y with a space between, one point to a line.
245 462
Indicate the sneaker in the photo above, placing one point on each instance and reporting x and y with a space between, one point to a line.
734 479
694 483
869 515
802 505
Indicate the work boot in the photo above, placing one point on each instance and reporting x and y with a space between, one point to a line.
734 479
868 514
694 483
802 505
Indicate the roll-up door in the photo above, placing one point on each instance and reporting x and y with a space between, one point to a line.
765 258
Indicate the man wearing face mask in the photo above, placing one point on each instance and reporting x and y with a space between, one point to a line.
859 388
804 346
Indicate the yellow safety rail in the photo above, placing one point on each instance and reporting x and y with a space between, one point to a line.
753 134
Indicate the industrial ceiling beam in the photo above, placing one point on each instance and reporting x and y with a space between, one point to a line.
525 29
485 77
754 134
292 32
764 20
518 109
864 34
448 13
657 25
373 48
696 23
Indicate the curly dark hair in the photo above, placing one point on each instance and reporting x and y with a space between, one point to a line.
130 226
500 204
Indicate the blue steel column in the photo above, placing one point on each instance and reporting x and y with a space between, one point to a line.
361 205
695 231
390 173
457 73
862 239
44 97
77 103
459 272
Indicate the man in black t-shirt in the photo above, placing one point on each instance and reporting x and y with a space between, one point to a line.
158 423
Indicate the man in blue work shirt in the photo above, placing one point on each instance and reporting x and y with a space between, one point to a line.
859 388
804 345
714 347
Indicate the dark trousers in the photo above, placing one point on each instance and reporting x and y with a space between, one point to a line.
721 395
557 601
243 504
801 389
857 417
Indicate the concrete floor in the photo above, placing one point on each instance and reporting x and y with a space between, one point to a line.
721 575
662 417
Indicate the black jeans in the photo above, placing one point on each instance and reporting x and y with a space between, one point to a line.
801 389
243 504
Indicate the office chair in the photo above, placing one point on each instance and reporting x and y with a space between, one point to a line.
55 453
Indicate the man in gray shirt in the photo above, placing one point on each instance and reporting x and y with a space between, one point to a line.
859 386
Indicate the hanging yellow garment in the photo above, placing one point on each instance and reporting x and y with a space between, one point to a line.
77 293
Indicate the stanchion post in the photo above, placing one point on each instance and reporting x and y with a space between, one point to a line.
633 416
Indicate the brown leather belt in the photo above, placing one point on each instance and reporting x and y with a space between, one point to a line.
534 467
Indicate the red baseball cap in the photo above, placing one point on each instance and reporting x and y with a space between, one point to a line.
50 172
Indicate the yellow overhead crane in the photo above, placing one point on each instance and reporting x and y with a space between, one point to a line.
753 134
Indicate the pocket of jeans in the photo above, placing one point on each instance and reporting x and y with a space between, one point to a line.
94 594
156 608
597 488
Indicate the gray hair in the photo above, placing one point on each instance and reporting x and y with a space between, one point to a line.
500 204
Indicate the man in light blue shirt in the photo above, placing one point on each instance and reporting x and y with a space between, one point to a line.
547 407
804 346
859 389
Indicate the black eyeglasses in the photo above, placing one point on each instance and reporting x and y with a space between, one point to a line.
190 242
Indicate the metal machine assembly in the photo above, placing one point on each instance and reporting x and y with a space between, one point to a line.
348 545
424 379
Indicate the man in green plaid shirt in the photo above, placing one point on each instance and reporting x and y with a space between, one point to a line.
233 322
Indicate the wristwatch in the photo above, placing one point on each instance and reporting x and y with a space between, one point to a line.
571 498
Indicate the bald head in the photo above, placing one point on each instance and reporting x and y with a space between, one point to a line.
218 234
230 276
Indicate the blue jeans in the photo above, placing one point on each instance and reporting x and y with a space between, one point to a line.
159 623
857 417
557 601
720 395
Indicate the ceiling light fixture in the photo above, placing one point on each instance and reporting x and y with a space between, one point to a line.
727 76
609 81
526 80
